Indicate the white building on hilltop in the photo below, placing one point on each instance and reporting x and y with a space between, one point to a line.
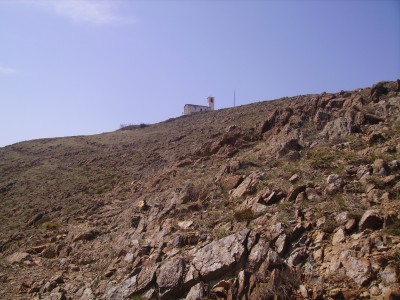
192 108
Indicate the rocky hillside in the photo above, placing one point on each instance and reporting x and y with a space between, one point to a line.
297 198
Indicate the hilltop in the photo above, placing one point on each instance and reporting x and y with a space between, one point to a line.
296 198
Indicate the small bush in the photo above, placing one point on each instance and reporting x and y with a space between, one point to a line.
133 126
320 158
220 233
341 202
50 225
243 215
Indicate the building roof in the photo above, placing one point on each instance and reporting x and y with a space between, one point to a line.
196 105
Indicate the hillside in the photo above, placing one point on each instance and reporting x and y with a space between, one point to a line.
297 198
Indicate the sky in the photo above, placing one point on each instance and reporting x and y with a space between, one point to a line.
81 67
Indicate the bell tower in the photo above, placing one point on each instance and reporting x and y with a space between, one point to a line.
211 102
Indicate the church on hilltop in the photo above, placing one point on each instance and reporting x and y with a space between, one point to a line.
193 108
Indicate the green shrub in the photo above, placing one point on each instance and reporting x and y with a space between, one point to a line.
243 215
50 225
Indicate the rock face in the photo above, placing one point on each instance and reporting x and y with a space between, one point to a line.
295 199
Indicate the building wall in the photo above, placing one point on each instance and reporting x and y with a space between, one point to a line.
191 109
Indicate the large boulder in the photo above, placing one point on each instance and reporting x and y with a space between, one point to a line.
132 285
337 128
358 269
219 257
170 277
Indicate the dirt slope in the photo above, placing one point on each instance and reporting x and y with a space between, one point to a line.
296 198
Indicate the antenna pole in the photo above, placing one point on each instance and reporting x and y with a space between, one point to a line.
234 98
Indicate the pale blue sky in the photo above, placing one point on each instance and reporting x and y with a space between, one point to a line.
73 67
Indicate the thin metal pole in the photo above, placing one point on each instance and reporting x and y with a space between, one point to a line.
234 98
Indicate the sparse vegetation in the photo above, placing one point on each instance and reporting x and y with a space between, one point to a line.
244 215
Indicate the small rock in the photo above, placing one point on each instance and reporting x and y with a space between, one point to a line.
170 277
351 294
282 244
231 182
303 291
391 293
350 225
312 194
319 255
185 224
339 237
87 295
135 220
394 165
18 257
295 191
379 167
389 275
294 178
374 291
371 219
35 218
87 235
358 269
49 252
342 218
197 291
